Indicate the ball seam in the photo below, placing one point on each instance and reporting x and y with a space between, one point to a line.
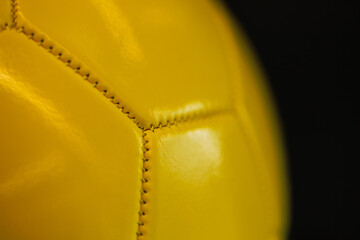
22 26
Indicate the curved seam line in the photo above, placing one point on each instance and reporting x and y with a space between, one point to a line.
105 91
144 183
58 51
146 169
96 84
10 23
90 76
14 11
146 148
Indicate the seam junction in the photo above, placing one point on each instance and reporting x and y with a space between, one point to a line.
146 167
22 26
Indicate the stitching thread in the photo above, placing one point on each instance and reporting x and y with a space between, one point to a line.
22 26
69 61
187 118
14 10
146 149
13 14
144 184
82 70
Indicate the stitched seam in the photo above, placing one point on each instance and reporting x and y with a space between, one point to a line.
80 69
144 184
22 26
14 12
95 82
188 118
146 158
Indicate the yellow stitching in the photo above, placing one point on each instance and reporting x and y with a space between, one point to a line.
146 168
188 118
80 69
14 10
144 183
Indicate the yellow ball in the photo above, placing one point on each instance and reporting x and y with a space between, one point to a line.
125 119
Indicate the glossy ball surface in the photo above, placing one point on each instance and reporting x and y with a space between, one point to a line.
134 120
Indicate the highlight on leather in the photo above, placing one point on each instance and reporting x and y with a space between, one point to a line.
129 120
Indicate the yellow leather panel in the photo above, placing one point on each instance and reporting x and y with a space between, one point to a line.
161 57
5 14
70 161
202 182
254 106
124 106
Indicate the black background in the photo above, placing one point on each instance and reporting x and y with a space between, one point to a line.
308 51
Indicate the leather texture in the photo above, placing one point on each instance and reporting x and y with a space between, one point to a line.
5 14
143 38
70 163
129 120
190 191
